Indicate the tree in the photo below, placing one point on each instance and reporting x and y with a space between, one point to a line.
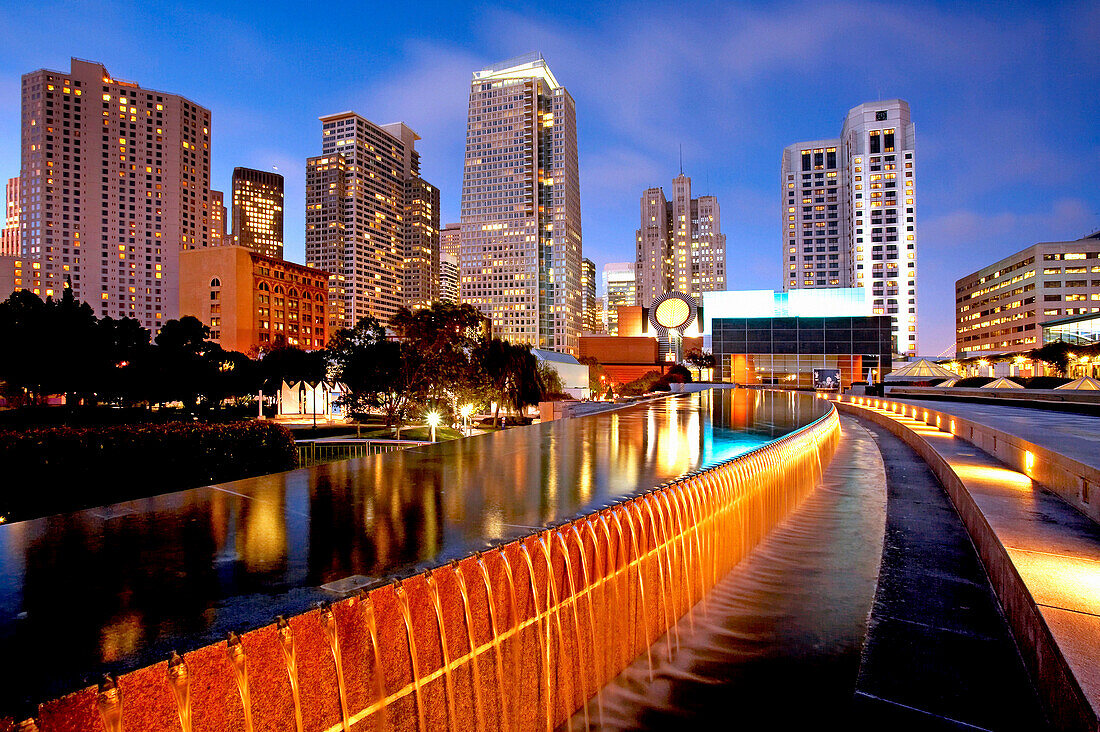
1056 354
598 383
179 362
444 337
512 374
42 342
700 359
552 386
378 373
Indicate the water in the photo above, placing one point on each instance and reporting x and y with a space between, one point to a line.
113 590
778 644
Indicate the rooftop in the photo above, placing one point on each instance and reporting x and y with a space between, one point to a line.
528 66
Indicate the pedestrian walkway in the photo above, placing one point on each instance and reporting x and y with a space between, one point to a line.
1076 436
938 653
1042 557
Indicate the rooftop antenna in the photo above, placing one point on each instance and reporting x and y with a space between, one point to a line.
681 158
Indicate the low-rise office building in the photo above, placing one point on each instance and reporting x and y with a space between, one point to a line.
253 302
795 339
1001 308
798 339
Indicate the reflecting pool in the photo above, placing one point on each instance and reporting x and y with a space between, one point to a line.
118 587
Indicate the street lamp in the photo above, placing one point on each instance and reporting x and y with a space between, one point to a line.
466 411
433 421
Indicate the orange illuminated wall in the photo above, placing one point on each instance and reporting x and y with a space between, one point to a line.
632 320
620 349
743 369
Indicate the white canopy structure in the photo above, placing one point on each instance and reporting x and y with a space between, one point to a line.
303 398
922 370
1085 383
1002 383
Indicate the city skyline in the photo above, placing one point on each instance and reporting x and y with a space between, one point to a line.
962 74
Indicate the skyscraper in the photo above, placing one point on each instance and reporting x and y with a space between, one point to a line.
363 206
448 278
258 211
115 182
619 288
816 253
219 216
450 240
10 234
521 213
419 227
592 320
679 245
849 213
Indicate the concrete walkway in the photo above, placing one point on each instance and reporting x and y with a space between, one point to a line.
1076 436
1042 557
938 653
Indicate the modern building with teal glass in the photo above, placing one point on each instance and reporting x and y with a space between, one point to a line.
789 339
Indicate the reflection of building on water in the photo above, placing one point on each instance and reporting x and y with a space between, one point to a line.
194 564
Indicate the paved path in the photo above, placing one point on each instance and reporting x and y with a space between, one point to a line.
938 654
1052 548
1076 436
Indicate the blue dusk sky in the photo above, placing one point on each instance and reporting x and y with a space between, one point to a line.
1005 98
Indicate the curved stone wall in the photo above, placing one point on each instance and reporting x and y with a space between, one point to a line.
518 637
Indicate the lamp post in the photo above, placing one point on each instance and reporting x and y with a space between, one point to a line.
433 421
466 410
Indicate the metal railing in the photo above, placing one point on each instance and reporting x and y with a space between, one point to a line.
316 452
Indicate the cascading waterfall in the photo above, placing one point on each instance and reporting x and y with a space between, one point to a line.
623 575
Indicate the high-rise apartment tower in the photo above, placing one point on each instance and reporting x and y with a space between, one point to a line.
591 311
680 245
219 219
258 211
10 234
450 239
521 207
363 208
619 289
115 182
849 213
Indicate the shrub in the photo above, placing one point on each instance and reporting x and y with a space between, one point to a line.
971 382
55 469
1045 382
641 385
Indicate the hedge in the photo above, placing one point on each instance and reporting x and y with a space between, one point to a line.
56 469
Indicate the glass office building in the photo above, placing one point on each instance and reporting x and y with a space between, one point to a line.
798 338
1079 331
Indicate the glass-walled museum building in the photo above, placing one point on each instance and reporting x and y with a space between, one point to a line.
797 338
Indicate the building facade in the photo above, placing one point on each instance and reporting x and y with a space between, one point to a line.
849 213
115 182
450 240
680 245
258 211
521 254
619 288
1001 308
420 231
448 278
219 221
761 337
253 302
11 233
363 207
817 248
593 320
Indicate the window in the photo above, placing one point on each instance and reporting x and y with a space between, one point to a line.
215 282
